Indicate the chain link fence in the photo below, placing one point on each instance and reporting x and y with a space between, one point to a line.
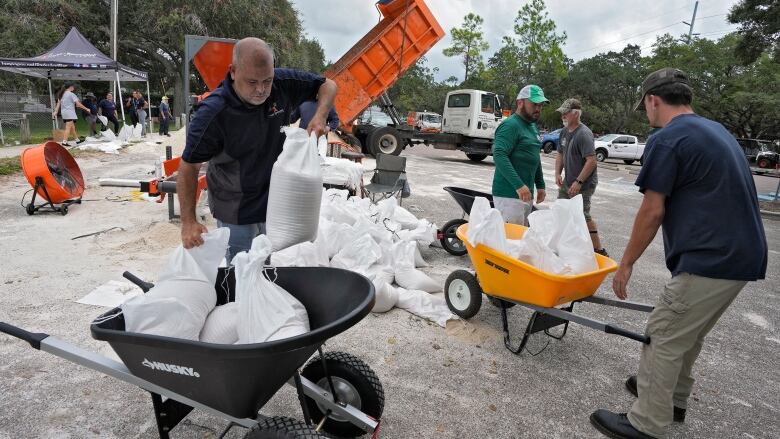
24 118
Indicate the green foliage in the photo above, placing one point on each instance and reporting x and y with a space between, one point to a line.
417 90
760 28
10 165
468 42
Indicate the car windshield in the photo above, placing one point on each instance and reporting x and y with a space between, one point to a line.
608 137
432 118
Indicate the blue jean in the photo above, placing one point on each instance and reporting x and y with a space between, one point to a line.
241 237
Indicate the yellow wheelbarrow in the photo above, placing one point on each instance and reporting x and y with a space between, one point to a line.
508 282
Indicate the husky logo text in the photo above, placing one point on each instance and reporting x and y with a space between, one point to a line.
181 370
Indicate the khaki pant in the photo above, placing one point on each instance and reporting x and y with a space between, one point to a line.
513 210
686 311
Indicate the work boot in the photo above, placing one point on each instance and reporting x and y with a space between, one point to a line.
602 251
679 413
615 425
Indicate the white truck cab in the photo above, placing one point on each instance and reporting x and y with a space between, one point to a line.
472 113
619 146
426 120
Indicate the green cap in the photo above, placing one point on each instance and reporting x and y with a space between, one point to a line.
533 93
658 78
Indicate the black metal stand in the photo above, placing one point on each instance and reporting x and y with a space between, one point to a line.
61 208
168 414
544 319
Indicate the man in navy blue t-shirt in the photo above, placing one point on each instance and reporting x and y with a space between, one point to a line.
697 185
237 130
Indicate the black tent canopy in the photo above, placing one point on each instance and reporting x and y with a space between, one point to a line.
75 59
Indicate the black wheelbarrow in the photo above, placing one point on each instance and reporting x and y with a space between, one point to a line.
339 394
465 199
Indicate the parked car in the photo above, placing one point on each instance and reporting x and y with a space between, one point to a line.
619 146
760 153
550 141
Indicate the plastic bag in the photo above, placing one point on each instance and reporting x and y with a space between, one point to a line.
424 233
386 298
531 250
424 305
305 254
358 255
266 311
184 294
221 325
406 275
295 193
486 226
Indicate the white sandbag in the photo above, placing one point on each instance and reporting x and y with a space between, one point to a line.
108 135
532 250
424 305
380 274
419 262
364 226
137 131
331 195
341 172
266 311
125 133
338 213
488 229
358 255
424 233
332 237
405 274
221 325
574 244
305 254
184 294
103 119
386 298
295 193
406 219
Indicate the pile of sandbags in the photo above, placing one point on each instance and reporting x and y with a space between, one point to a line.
380 241
556 242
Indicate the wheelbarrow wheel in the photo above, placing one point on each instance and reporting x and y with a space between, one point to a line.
281 427
463 294
450 240
355 384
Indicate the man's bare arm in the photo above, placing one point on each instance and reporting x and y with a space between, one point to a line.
186 187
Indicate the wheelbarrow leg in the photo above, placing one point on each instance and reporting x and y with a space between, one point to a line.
538 322
507 337
168 414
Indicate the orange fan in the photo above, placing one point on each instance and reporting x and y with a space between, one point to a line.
54 176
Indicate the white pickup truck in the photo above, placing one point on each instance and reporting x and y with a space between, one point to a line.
619 146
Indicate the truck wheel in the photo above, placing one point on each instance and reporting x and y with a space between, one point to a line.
355 384
601 155
353 141
763 163
450 241
463 294
476 157
280 427
385 140
548 147
629 162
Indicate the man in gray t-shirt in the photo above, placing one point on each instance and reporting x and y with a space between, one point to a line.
577 157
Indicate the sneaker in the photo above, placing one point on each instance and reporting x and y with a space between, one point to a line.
679 413
602 251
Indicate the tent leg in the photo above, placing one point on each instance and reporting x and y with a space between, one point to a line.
149 100
51 99
120 102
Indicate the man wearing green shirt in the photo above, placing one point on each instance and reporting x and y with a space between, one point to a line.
516 155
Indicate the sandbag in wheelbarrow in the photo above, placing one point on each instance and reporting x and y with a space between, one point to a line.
239 379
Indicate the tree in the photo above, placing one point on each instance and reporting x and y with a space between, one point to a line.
468 42
760 28
417 89
538 45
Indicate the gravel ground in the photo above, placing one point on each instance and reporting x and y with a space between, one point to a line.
454 382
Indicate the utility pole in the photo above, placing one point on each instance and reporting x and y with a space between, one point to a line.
693 20
114 14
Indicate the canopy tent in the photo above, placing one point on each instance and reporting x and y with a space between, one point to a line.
76 59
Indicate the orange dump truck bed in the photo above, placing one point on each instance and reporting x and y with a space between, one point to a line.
374 63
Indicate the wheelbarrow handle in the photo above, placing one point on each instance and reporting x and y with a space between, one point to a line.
143 285
34 338
609 329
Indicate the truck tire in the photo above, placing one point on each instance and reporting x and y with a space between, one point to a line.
476 157
353 141
763 163
629 162
548 147
601 154
385 140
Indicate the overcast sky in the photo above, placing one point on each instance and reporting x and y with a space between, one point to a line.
592 26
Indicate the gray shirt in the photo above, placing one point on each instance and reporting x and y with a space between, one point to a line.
574 147
68 105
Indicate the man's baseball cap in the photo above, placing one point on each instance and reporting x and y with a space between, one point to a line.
568 105
533 93
667 75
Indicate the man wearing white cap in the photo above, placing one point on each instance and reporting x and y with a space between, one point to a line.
516 155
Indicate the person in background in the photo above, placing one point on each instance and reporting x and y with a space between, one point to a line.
107 108
516 154
714 243
305 112
67 106
141 105
165 116
91 115
130 108
576 158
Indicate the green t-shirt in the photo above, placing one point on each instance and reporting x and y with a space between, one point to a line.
516 155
